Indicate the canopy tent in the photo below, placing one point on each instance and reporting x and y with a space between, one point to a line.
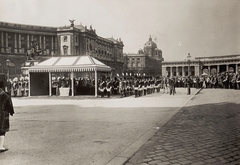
70 64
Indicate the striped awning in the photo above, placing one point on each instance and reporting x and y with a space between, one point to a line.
70 64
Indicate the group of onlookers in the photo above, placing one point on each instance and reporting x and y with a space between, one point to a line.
224 80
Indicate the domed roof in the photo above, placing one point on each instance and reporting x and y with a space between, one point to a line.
150 44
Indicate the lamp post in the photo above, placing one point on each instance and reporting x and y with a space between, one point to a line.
7 63
188 79
189 62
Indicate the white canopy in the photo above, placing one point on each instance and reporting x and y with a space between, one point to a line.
70 64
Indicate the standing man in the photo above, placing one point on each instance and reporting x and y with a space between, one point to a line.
108 86
6 108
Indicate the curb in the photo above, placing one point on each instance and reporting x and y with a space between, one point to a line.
130 151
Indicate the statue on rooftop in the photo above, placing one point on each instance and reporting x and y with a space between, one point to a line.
72 22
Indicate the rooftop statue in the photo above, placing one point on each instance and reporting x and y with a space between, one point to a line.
72 22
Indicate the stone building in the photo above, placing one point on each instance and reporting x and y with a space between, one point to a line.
16 40
200 65
148 60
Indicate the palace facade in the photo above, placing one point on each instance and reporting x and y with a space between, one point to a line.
16 40
148 60
200 65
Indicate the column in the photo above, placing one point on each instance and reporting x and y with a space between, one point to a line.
171 73
44 42
56 45
6 41
19 43
28 45
52 43
227 68
183 72
96 80
50 83
177 72
236 68
209 71
52 46
29 84
164 70
15 43
40 42
197 70
72 76
2 42
218 69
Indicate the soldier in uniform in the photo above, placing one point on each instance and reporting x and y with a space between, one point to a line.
102 87
108 86
136 86
171 86
226 81
145 86
237 81
121 87
115 86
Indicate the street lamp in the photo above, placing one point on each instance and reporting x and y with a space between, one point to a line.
189 62
7 63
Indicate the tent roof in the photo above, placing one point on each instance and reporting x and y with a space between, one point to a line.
70 64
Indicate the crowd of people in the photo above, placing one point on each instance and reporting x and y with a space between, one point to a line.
130 85
18 86
143 85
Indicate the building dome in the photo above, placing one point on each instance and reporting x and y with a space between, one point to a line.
150 44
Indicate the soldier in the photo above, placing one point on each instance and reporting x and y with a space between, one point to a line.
141 87
108 86
145 87
136 86
237 81
226 81
121 87
115 86
171 86
102 88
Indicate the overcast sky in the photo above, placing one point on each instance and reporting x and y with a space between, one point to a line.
179 27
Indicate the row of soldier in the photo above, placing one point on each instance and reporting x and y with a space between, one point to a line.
137 86
223 80
18 86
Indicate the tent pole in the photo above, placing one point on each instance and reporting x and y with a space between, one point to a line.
29 84
96 83
50 84
72 84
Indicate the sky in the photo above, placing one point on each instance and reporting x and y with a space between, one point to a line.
178 27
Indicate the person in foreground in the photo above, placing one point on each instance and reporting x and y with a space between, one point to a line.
6 108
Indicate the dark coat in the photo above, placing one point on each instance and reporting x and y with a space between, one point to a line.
6 108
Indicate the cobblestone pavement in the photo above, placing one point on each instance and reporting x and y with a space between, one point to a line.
205 131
